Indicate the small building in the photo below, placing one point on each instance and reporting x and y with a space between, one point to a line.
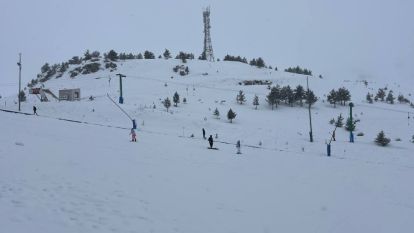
69 94
34 91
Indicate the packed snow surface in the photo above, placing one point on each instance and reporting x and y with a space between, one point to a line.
85 175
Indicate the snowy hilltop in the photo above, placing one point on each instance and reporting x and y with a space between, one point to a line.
73 167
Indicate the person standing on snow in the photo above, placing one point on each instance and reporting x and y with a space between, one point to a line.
34 110
134 135
210 141
238 147
204 133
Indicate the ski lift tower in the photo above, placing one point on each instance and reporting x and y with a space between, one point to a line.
208 47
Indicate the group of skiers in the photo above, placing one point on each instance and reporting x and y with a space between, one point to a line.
210 139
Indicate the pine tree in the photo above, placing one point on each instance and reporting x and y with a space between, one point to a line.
369 98
343 95
176 99
167 54
256 101
390 98
350 126
260 63
332 97
299 93
139 56
95 54
381 139
240 97
112 55
273 97
22 96
216 113
380 94
149 55
253 62
167 103
401 98
45 68
231 115
87 55
339 122
310 97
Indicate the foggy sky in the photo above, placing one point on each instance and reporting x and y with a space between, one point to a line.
366 39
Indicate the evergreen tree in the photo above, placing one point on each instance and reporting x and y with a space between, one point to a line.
167 54
87 56
149 55
253 62
299 93
216 113
22 96
343 95
260 63
75 60
167 103
95 54
63 67
240 97
401 99
339 122
273 97
380 94
139 56
45 68
176 99
231 115
390 98
310 97
332 97
130 56
256 101
369 98
350 125
112 55
290 96
381 139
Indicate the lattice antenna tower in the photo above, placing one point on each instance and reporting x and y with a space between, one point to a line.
208 47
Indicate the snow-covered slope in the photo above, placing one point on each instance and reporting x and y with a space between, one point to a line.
59 176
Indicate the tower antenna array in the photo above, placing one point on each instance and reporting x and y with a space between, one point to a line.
208 47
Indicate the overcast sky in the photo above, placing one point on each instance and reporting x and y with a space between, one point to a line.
339 39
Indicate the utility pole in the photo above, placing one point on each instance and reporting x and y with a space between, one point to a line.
20 77
310 116
351 135
121 98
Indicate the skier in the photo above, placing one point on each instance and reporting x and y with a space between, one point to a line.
134 135
34 110
333 136
210 141
238 147
204 133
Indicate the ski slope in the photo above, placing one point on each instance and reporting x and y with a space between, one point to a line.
60 176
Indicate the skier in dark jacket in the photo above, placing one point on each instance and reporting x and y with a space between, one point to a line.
210 141
204 133
34 110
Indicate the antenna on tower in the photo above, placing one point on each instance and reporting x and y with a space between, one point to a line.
208 47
